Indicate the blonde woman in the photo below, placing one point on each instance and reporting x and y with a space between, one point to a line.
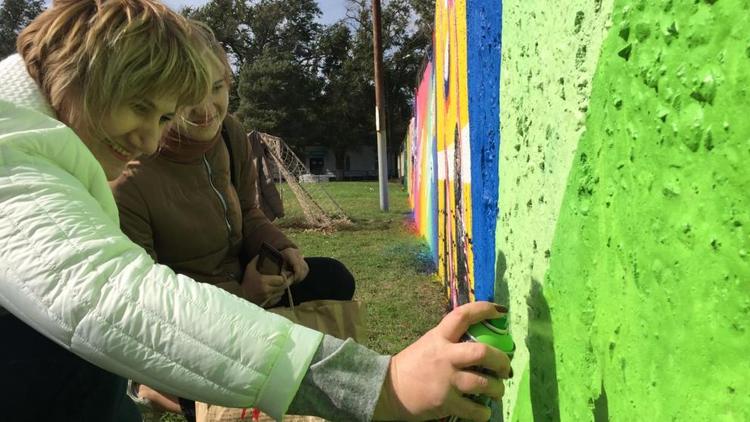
83 307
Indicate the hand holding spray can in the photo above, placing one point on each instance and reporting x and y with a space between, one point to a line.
495 333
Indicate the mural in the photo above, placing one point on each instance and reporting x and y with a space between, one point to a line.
483 27
613 216
453 173
446 189
422 161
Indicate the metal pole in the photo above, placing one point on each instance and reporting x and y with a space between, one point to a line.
380 121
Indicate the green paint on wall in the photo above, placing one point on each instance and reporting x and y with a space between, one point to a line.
550 55
649 277
523 412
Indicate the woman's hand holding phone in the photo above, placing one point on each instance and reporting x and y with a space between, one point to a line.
262 289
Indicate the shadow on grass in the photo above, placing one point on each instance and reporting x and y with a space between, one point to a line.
300 223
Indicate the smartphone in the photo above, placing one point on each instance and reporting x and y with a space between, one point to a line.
270 261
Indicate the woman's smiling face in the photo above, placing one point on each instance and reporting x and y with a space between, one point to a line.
202 121
130 130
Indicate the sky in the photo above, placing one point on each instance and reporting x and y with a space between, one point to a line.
333 10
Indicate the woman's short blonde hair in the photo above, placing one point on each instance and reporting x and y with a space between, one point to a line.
208 38
91 56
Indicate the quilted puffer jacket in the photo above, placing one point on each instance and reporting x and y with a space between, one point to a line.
67 270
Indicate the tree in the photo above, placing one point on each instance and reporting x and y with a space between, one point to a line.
279 85
313 84
277 96
227 18
404 47
345 107
14 16
425 13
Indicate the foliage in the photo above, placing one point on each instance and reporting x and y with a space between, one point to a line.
277 96
312 84
14 16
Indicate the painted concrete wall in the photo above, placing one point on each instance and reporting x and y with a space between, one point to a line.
452 164
455 263
622 199
649 277
549 59
421 151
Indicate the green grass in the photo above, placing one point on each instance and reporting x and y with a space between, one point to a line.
387 259
389 262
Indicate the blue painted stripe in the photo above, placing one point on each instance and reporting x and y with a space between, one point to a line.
484 26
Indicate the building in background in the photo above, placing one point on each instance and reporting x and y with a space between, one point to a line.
360 163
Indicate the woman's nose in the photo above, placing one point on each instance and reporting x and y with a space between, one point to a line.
146 140
199 111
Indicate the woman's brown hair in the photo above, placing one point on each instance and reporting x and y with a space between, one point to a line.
91 56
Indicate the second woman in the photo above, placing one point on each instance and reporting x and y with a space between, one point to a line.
194 207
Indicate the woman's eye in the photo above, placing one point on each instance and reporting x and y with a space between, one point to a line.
140 109
165 119
218 87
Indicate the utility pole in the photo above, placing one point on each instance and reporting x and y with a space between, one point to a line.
380 121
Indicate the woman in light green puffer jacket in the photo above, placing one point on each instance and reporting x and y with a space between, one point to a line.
78 103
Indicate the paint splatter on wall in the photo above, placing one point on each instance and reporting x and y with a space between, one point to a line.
620 199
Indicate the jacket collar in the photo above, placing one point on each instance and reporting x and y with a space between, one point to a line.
20 89
182 149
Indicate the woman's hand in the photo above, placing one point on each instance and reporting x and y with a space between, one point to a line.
296 262
262 290
428 379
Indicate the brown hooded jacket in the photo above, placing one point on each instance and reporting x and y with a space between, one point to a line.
183 209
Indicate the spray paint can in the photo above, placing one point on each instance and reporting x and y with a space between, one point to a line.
492 332
495 333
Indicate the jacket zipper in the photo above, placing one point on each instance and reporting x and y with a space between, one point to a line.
221 197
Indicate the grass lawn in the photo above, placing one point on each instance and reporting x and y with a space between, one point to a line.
390 263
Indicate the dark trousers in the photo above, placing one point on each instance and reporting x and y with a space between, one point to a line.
41 381
328 279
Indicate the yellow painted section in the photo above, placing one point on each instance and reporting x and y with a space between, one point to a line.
455 257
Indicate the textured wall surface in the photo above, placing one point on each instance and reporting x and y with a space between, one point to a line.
484 24
455 264
623 202
549 59
649 279
421 155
